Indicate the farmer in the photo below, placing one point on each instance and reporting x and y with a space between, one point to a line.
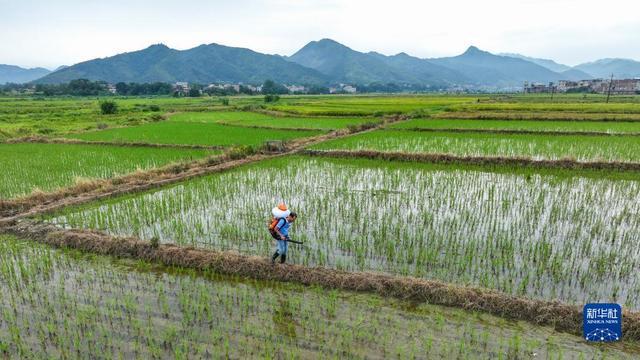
281 234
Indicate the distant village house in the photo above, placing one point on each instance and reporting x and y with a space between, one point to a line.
600 86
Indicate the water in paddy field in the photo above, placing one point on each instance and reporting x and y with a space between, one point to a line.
534 234
59 304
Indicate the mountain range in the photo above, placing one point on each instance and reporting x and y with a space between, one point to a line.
327 62
18 75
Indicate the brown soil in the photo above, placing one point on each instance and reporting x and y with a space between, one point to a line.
562 317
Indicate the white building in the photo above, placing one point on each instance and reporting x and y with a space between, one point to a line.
349 89
295 88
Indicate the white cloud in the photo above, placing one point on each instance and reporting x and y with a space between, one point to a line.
65 32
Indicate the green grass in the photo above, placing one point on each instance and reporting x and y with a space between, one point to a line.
553 234
63 304
580 147
257 119
542 126
50 166
192 133
55 116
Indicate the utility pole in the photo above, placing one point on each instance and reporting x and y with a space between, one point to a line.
553 89
610 86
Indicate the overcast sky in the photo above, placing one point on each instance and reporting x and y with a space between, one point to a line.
53 33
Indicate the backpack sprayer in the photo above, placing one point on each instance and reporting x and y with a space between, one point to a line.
280 212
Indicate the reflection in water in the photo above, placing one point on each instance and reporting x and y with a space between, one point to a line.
283 319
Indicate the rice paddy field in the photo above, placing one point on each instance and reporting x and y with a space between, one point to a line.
606 127
252 119
193 133
535 146
365 105
531 234
491 229
43 116
63 304
46 167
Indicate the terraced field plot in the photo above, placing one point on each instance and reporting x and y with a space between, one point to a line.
63 304
51 116
27 166
574 106
540 116
551 147
365 105
536 233
546 234
609 127
192 133
249 119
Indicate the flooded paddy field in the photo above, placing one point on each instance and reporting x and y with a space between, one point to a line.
61 303
582 148
550 234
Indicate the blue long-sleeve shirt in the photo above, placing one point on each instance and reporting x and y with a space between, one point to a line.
283 226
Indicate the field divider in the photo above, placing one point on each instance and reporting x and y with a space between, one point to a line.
561 316
97 189
45 140
515 132
518 117
437 158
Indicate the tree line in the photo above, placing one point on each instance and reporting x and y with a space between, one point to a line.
84 87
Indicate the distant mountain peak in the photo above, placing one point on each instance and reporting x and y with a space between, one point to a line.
326 44
204 64
328 41
158 46
472 50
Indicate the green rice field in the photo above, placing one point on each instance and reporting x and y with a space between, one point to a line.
52 116
192 133
365 105
539 147
577 105
608 127
249 119
547 234
564 235
62 304
29 166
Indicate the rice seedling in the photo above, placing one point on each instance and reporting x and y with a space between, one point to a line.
192 133
536 233
608 127
535 146
366 105
61 304
45 167
539 116
251 119
573 106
